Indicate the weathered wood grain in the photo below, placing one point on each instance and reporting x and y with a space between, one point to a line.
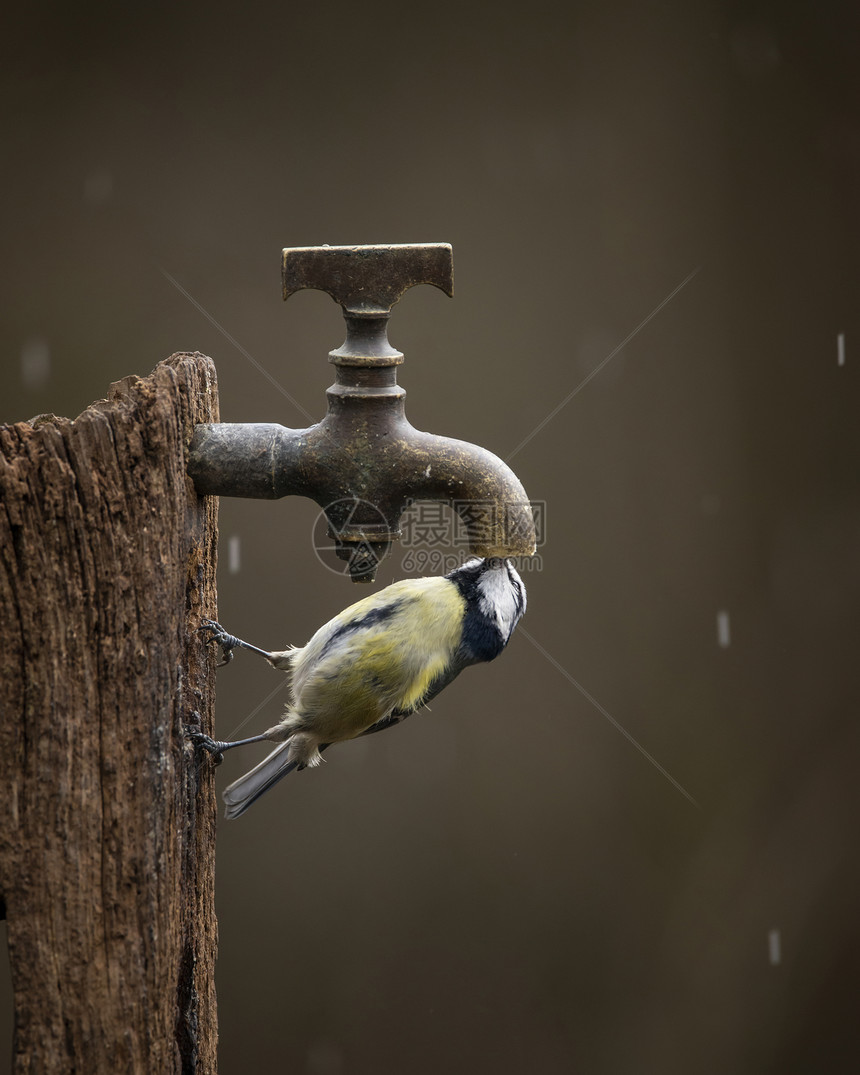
107 565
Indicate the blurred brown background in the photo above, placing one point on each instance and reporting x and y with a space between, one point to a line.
507 884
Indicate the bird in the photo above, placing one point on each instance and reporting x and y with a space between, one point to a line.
375 663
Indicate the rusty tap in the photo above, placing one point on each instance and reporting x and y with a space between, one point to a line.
363 463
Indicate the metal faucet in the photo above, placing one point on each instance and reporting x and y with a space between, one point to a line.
364 464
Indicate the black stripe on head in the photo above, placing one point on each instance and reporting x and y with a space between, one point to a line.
465 577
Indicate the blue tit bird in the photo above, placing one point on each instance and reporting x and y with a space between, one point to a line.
375 663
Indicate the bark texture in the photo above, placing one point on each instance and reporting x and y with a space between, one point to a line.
107 819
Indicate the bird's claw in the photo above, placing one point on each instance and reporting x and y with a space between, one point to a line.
220 637
201 739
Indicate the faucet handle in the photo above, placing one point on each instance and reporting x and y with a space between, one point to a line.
368 280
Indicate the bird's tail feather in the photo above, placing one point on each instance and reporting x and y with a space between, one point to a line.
248 788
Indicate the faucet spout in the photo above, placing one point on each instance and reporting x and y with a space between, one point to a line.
365 479
483 490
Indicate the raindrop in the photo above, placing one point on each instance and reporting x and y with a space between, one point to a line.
774 947
35 363
234 555
723 633
840 349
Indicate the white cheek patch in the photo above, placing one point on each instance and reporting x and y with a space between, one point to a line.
501 598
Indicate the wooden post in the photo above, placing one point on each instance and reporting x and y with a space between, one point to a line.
107 819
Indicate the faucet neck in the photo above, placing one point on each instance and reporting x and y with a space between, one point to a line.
366 363
366 344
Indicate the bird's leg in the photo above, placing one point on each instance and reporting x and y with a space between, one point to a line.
216 747
228 642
